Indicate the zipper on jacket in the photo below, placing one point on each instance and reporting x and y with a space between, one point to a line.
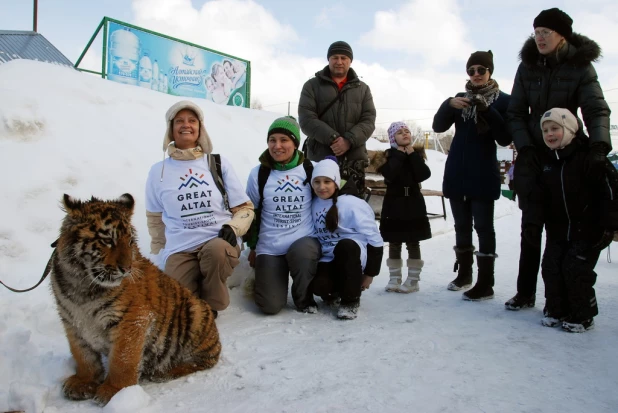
566 208
611 192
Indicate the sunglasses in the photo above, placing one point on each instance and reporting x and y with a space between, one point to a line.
480 70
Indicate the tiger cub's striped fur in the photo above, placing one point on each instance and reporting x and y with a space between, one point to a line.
114 302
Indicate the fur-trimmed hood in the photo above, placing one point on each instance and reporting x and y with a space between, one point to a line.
581 51
379 159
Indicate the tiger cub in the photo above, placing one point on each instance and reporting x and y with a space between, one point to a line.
114 302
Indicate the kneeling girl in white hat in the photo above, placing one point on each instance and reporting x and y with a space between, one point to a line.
351 243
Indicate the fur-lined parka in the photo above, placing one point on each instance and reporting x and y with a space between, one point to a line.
404 214
565 79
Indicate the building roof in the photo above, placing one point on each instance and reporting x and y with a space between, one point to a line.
15 44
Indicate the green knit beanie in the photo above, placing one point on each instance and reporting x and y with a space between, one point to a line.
288 126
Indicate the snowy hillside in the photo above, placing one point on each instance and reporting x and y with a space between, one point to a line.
66 132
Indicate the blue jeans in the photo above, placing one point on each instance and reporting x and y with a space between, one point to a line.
481 212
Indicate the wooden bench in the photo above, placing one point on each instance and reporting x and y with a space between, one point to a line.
376 185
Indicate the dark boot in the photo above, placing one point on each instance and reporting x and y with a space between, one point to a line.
483 290
463 266
520 301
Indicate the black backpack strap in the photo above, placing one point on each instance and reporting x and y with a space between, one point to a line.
308 166
263 174
214 163
329 106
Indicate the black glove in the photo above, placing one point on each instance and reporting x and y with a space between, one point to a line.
528 159
532 234
606 239
596 158
227 233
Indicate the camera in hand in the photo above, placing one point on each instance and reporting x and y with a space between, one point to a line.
479 102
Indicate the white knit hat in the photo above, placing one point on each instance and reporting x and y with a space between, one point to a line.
328 168
203 140
564 118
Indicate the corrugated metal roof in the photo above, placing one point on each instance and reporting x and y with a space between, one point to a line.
29 45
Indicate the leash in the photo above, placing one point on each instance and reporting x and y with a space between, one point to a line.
45 272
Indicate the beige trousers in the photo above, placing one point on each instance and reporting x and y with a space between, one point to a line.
204 271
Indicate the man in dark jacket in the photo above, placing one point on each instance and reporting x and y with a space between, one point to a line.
337 114
555 72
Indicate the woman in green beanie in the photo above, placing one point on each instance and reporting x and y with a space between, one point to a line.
282 242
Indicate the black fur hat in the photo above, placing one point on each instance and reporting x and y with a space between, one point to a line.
555 19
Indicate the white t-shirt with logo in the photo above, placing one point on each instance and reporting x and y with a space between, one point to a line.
192 206
357 222
286 209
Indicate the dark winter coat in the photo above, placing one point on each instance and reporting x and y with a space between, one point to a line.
569 81
471 168
352 116
576 208
404 214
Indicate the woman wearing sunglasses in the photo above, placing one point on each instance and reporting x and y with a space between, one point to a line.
555 72
471 175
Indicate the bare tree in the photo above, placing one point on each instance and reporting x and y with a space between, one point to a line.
381 134
256 104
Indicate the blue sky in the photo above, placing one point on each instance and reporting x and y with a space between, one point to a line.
411 53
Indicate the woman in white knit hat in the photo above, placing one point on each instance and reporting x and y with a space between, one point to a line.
351 243
195 228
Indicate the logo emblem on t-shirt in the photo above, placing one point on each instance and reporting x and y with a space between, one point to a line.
320 217
195 201
288 185
288 202
192 180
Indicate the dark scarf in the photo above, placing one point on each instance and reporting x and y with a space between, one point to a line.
484 95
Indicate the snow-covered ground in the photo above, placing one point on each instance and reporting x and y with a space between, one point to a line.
66 132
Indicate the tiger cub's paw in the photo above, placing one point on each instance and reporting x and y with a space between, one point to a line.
104 394
75 388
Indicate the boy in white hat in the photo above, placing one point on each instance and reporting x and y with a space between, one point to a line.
581 215
351 243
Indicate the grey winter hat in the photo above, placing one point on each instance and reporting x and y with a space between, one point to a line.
203 140
340 47
564 118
